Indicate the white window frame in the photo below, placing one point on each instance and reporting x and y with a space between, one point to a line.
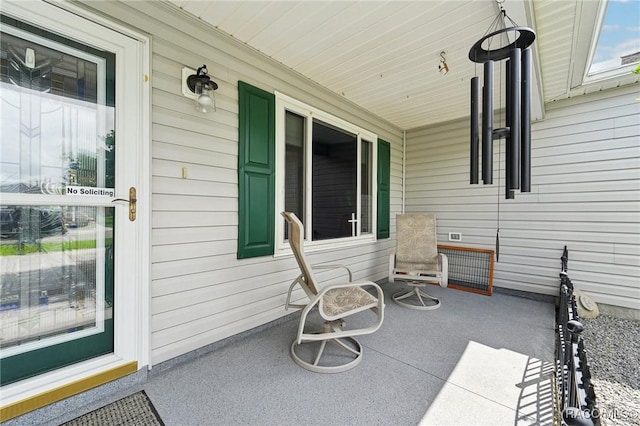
286 103
609 73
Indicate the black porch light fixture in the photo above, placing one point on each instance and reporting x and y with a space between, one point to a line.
203 87
517 118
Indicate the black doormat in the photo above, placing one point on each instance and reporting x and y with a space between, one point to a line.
135 409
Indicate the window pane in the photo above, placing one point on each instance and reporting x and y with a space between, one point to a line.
618 43
334 182
366 179
294 165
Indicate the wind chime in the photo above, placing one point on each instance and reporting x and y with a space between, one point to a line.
517 124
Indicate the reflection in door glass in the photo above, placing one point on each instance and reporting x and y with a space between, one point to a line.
67 138
53 276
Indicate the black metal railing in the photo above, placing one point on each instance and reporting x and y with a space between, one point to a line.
575 390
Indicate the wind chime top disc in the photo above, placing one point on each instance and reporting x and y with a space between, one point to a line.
525 38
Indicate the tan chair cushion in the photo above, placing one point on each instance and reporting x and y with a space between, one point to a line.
417 247
345 299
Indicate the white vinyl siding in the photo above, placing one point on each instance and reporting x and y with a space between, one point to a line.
200 292
585 194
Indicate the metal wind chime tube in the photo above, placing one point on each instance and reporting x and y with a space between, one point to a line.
509 194
517 127
487 124
513 165
525 113
473 164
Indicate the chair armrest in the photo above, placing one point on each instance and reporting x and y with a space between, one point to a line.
378 309
313 298
326 266
288 303
392 265
444 267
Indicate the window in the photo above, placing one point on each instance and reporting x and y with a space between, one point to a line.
294 164
366 186
311 147
618 46
326 175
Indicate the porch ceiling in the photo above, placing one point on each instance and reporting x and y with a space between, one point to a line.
384 55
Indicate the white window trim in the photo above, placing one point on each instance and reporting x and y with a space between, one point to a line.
286 103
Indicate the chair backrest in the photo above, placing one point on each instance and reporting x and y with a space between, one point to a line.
296 241
417 246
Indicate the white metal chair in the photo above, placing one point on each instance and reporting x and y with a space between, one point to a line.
333 302
416 261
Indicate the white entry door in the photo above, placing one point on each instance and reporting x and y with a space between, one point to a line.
72 164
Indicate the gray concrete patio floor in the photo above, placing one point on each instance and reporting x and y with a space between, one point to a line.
477 360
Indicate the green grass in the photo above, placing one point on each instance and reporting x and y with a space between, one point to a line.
48 247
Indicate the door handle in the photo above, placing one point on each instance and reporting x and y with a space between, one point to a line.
132 203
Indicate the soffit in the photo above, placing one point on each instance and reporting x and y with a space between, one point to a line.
384 55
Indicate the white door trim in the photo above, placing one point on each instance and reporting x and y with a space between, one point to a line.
132 320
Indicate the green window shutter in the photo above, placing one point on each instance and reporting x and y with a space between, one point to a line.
384 173
256 171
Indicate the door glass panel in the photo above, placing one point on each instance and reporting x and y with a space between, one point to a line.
56 130
53 277
57 165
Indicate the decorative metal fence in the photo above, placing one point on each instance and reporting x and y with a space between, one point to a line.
575 390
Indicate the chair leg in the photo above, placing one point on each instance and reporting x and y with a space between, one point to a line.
356 352
416 300
317 367
349 348
323 345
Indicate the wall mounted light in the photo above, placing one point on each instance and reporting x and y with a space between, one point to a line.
199 86
443 67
